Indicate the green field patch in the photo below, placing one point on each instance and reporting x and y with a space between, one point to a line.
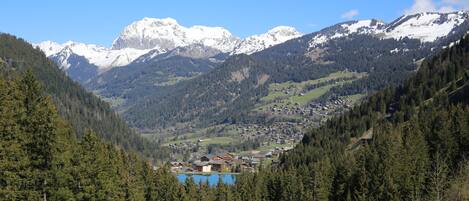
217 140
273 96
291 93
311 95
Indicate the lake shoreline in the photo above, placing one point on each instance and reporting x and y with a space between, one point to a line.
207 173
211 178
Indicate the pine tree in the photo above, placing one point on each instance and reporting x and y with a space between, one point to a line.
322 179
40 125
191 189
62 168
133 183
167 186
438 178
84 160
14 160
414 161
223 192
360 178
459 188
340 186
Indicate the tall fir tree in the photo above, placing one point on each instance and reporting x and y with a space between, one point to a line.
15 171
40 126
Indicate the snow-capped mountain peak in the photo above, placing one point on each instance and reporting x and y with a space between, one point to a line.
164 35
162 21
282 30
427 27
347 28
273 37
167 34
63 56
49 47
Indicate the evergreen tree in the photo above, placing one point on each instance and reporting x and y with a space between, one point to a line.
322 179
223 192
415 161
191 189
40 125
14 160
437 183
360 178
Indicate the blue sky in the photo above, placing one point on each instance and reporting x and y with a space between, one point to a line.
100 21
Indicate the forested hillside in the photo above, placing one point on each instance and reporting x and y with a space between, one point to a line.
418 149
140 80
403 143
42 159
82 109
228 93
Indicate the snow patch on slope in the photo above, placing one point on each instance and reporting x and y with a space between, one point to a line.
346 29
426 27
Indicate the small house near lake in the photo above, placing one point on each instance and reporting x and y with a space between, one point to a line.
202 167
218 165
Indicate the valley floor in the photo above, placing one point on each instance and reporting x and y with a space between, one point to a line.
293 108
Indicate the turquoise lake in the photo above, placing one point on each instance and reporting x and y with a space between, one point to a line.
212 179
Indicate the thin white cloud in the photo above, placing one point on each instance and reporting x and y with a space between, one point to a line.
461 4
443 6
456 2
452 1
421 6
350 14
446 9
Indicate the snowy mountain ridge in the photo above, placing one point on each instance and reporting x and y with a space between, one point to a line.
102 57
162 35
260 42
426 27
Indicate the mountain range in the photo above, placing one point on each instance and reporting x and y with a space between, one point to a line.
162 35
172 74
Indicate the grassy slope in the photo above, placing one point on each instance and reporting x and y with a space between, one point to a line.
276 96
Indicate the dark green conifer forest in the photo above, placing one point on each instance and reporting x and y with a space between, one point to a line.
418 150
81 109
